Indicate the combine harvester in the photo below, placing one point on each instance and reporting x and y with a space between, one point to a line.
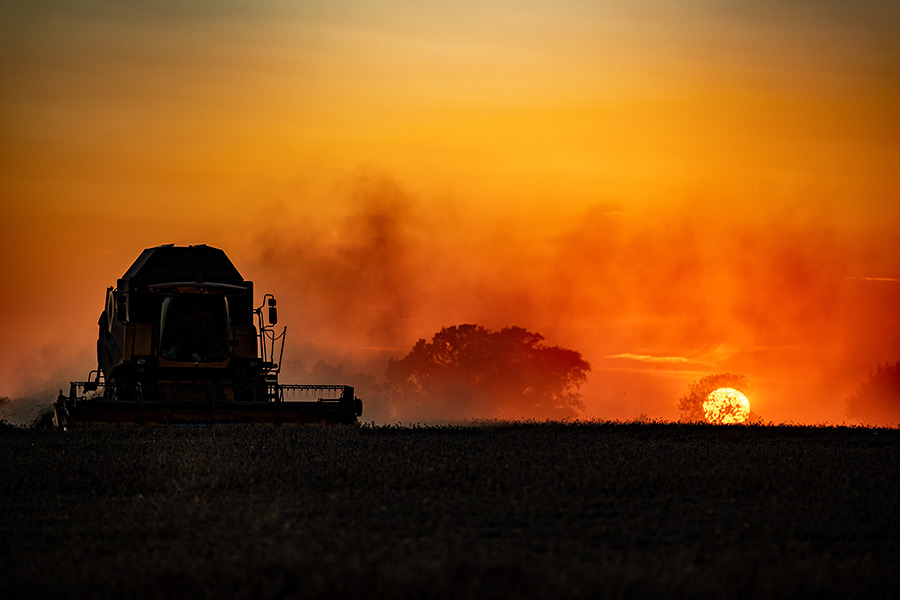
181 343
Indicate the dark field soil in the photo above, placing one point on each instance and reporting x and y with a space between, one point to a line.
550 511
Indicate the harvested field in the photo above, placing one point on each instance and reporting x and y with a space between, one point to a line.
527 510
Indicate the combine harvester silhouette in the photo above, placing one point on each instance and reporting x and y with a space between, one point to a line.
181 342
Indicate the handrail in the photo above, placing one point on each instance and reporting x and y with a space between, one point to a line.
268 338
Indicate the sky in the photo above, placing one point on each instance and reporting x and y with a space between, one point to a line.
673 189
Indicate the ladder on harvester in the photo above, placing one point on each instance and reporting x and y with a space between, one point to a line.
273 394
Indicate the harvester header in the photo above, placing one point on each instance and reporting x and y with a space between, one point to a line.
181 342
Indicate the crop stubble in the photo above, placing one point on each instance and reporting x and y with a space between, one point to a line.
548 510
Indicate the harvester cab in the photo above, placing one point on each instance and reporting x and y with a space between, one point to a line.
180 342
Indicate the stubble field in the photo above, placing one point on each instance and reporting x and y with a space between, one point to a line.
517 510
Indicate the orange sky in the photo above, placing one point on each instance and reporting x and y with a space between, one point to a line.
673 189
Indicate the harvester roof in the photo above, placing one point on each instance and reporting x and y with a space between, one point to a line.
170 263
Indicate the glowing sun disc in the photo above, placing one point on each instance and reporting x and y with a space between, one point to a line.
726 405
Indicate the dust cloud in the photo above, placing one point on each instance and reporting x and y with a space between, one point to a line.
801 299
40 376
653 298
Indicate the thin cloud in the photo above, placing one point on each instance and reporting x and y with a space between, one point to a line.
882 279
650 358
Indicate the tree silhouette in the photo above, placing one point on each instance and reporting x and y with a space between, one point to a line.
877 400
467 371
691 405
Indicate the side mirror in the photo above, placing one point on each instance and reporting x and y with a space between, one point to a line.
273 312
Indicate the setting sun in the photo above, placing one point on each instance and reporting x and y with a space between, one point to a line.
726 406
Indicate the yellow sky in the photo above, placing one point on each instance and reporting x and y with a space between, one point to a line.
256 126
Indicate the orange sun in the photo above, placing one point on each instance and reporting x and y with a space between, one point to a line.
726 406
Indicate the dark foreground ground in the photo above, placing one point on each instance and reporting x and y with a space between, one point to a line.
551 511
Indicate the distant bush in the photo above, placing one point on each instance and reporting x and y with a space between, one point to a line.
691 405
4 424
877 400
